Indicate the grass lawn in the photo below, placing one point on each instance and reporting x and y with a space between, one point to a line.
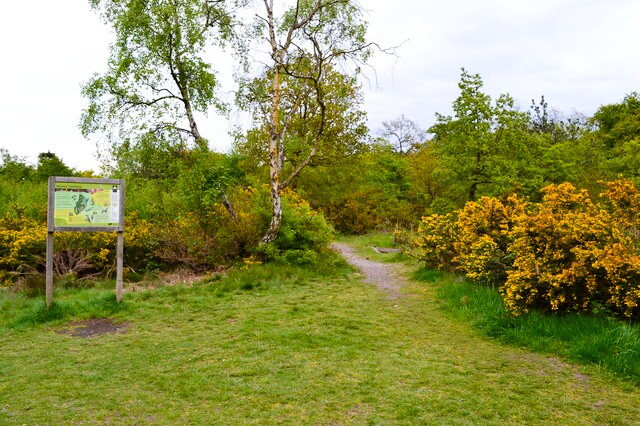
280 345
599 340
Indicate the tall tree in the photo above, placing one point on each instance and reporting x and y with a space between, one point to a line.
344 134
619 123
14 168
49 164
306 46
618 132
156 80
404 135
465 143
481 150
554 125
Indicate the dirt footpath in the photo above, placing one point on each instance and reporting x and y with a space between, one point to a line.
384 276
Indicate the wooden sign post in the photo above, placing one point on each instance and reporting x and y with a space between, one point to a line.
85 205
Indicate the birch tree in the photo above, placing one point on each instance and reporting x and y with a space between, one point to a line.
307 45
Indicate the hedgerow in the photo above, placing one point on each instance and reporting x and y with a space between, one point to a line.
23 249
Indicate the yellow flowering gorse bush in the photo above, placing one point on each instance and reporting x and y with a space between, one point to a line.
553 253
483 238
22 245
563 254
435 244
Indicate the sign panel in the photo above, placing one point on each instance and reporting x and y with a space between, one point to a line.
86 204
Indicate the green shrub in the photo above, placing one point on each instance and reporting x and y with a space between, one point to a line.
303 234
23 199
302 227
182 222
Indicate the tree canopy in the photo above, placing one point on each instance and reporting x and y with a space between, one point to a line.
298 78
157 79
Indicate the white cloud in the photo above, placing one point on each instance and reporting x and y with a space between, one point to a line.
51 47
579 54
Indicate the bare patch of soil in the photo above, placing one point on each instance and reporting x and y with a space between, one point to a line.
94 327
383 276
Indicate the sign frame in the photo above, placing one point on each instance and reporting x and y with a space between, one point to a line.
52 227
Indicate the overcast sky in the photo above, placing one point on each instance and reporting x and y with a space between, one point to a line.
579 54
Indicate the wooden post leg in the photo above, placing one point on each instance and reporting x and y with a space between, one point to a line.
119 266
49 271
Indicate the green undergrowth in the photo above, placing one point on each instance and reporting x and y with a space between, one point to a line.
598 340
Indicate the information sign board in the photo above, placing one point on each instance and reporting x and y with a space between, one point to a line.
85 205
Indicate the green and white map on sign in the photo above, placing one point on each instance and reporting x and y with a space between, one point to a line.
86 204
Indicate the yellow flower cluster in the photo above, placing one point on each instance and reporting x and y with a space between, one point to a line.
251 260
565 253
573 255
22 245
435 244
484 236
